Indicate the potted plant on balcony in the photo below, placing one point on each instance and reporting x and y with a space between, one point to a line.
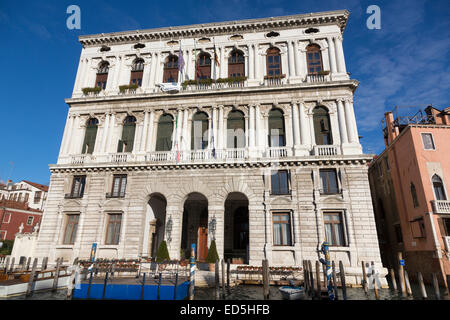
212 256
88 90
162 255
323 73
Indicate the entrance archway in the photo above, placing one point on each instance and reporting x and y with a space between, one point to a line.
236 236
154 226
195 226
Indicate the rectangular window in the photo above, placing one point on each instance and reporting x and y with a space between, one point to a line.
78 186
7 217
428 143
334 228
280 182
328 180
119 185
37 196
26 197
113 229
281 229
418 228
30 221
71 228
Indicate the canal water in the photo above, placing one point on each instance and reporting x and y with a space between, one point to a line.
254 292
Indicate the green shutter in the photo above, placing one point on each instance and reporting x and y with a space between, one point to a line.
89 139
164 133
128 136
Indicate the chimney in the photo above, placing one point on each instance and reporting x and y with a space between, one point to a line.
392 131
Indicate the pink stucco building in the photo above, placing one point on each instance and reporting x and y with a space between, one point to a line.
410 185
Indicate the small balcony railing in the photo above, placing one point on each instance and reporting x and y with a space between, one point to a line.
73 196
317 78
329 191
277 152
121 157
325 150
115 195
441 206
274 80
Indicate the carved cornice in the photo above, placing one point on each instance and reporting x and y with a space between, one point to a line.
338 17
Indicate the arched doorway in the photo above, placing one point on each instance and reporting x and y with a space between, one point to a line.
236 236
195 226
154 225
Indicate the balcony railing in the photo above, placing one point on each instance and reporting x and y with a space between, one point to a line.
441 206
73 195
325 150
329 191
277 152
275 80
115 195
317 78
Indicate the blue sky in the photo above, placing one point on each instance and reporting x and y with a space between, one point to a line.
405 63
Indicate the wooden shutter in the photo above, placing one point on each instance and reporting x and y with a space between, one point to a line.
164 133
128 136
89 139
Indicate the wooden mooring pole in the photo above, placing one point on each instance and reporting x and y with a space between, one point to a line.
312 292
223 279
374 281
265 275
32 278
342 274
55 280
401 274
104 285
333 266
11 267
90 283
28 263
408 285
305 276
143 287
364 279
423 292
175 287
393 280
319 289
159 286
44 263
437 293
228 275
216 280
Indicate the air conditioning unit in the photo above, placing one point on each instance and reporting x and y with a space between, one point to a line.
447 243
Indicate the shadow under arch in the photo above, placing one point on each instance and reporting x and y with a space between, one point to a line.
236 228
195 226
154 224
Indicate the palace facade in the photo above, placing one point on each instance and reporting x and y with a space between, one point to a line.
243 132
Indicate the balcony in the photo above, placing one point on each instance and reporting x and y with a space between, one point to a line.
115 195
277 152
73 196
326 150
318 78
441 206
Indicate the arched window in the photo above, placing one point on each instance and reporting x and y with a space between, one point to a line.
90 136
137 72
314 59
164 133
199 138
203 66
102 75
438 187
322 128
128 130
236 64
236 129
273 61
276 128
414 195
171 69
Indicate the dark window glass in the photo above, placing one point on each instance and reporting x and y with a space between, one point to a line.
273 62
171 69
281 229
236 64
280 182
334 229
428 142
78 186
164 133
199 138
119 185
438 188
414 195
203 67
328 179
322 127
102 75
71 229
314 59
113 229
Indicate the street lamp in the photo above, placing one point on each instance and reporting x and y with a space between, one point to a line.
212 228
169 229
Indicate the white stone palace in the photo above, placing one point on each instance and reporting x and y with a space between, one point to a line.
248 138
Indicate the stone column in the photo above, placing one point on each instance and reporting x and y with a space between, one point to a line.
295 121
76 134
251 126
251 59
311 128
66 135
179 127
340 55
288 128
296 60
214 126
184 141
302 63
146 75
341 117
221 131
149 131
349 122
112 123
257 57
222 63
118 66
79 75
331 55
291 59
303 124
225 131
266 131
258 141
144 132
153 69
85 74
105 134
